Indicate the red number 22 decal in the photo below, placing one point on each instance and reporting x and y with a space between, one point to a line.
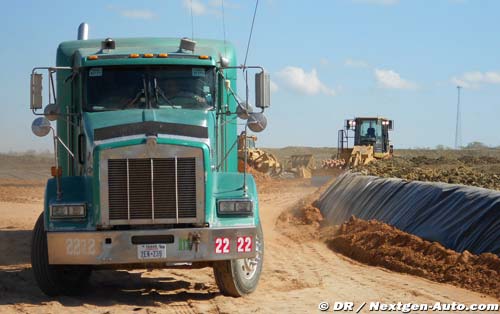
221 245
244 244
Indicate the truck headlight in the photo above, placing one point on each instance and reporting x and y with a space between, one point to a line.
235 207
68 211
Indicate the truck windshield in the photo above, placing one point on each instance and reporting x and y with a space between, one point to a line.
145 87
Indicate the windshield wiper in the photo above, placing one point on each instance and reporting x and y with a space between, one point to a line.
160 92
142 92
136 98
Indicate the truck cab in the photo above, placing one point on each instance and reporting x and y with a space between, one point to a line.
145 170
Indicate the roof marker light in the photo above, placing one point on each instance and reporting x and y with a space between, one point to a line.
92 57
133 55
148 55
204 57
163 55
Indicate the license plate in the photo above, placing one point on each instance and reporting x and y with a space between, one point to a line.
151 251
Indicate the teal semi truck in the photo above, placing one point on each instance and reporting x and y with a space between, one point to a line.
145 170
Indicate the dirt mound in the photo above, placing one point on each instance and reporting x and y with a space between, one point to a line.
305 211
379 244
468 170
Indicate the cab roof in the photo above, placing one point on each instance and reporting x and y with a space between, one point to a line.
75 52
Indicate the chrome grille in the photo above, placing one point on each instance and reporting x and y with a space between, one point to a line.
152 188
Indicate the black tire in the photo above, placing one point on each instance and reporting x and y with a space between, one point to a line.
55 280
231 277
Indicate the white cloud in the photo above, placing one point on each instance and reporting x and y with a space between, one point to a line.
377 2
138 14
274 86
213 7
356 63
227 4
297 79
197 6
391 79
474 79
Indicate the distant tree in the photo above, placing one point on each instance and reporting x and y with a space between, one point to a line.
476 145
442 147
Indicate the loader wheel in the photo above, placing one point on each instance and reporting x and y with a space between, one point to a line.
240 277
54 280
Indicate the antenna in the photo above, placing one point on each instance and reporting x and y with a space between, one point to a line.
458 127
224 27
251 30
192 22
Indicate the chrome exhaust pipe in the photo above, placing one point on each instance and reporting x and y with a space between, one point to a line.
83 31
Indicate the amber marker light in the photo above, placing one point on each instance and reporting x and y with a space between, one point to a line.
56 171
163 55
148 55
203 57
133 55
93 57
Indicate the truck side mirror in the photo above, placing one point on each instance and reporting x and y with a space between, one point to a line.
51 112
41 126
36 91
257 122
391 125
262 90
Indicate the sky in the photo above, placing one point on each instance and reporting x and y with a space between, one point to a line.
329 61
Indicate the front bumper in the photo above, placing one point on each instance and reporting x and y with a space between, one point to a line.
116 247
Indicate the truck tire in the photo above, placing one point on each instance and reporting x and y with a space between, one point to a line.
240 277
54 280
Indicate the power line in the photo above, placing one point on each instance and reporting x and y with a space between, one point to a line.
458 126
251 30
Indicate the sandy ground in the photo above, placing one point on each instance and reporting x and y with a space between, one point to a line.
297 275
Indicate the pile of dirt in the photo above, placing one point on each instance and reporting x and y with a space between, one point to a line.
305 211
303 221
468 170
379 244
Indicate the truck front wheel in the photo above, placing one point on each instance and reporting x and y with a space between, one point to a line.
54 280
239 277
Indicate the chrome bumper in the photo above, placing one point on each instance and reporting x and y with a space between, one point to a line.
116 247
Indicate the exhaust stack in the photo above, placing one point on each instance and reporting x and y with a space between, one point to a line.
83 31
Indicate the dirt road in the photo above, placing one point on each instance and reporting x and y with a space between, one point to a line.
297 276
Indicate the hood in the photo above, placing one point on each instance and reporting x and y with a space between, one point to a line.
106 125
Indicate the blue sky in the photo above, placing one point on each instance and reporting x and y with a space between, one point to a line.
329 60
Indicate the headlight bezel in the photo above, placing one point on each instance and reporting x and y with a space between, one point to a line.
235 207
68 211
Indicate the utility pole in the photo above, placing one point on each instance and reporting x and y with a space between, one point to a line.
458 128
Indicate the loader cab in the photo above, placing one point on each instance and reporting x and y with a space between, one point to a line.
373 132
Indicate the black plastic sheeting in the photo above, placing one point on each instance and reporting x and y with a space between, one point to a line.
459 217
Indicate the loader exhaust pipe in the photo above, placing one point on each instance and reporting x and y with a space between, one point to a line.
83 31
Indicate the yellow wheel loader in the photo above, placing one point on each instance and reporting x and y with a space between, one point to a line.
370 137
257 159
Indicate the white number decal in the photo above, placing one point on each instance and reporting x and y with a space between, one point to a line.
248 244
91 247
222 245
69 246
80 247
244 244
